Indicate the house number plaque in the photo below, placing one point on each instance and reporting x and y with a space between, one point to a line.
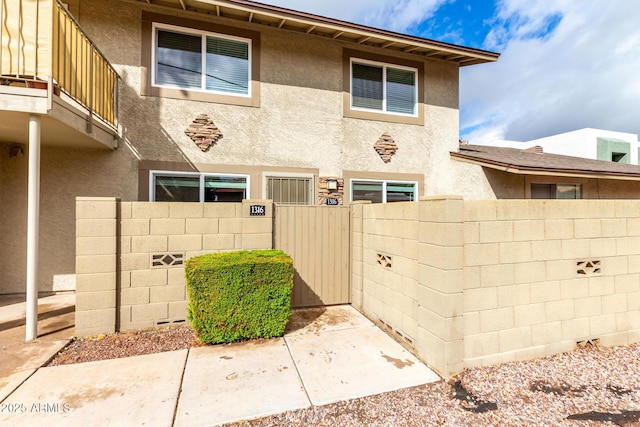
332 201
257 210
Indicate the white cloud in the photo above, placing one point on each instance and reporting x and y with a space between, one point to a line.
583 74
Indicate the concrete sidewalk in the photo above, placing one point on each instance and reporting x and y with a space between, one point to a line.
327 354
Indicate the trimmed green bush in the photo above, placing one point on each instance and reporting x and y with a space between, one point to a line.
239 295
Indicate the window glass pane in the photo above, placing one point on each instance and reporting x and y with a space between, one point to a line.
177 189
179 59
227 65
401 93
365 190
543 191
400 192
366 86
225 188
565 191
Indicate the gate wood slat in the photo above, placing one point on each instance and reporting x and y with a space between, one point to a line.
318 240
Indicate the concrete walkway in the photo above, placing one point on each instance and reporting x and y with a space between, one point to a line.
326 355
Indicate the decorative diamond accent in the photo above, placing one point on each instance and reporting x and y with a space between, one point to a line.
203 132
384 260
588 268
167 260
386 147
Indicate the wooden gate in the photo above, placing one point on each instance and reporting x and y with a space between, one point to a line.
318 240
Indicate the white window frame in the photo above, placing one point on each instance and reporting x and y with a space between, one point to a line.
182 30
384 66
385 183
312 183
202 176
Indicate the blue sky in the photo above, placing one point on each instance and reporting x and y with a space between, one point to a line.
565 64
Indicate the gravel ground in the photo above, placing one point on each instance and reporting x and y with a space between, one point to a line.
591 386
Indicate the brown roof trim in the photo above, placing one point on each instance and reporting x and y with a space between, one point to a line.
523 162
334 28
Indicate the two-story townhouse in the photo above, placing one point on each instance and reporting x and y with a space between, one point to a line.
208 100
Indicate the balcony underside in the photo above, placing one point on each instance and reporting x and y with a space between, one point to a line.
64 122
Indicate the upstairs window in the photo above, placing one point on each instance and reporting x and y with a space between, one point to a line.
384 88
201 61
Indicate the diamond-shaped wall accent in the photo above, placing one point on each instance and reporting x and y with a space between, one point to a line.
167 260
386 147
588 268
203 132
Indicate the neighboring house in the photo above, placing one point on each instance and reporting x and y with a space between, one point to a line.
187 100
597 144
513 173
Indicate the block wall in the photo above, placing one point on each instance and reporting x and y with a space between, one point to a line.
147 244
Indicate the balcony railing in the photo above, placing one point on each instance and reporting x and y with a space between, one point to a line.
41 42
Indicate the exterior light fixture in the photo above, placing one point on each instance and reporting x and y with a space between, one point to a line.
332 184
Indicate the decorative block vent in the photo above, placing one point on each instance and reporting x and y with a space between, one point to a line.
384 260
399 335
588 268
386 147
203 132
170 322
591 342
167 260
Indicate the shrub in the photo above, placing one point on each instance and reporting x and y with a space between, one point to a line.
239 295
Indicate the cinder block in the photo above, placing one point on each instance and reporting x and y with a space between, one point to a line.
445 209
230 225
134 227
603 285
95 227
95 300
169 293
445 281
481 254
125 245
202 226
96 245
96 321
497 275
218 241
471 277
95 264
528 230
514 339
602 325
614 266
178 310
446 258
558 229
257 241
124 210
627 283
147 210
129 262
545 291
149 312
480 299
257 225
514 295
445 305
496 320
546 250
634 263
628 245
575 249
471 323
626 208
633 226
148 278
481 345
576 329
219 210
616 303
134 296
558 310
187 242
574 288
546 333
175 276
445 328
96 208
513 252
186 210
125 279
480 210
603 247
166 226
529 272
529 353
440 234
471 232
628 321
519 209
148 244
527 315
496 231
619 338
95 282
587 228
560 270
589 306
614 227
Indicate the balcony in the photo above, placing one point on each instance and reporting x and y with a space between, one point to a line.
50 68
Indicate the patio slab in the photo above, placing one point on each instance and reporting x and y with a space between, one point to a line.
322 319
350 363
141 390
227 383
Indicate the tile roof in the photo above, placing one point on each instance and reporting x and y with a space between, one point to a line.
533 161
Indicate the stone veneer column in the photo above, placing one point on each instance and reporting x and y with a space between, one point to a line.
96 256
440 283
